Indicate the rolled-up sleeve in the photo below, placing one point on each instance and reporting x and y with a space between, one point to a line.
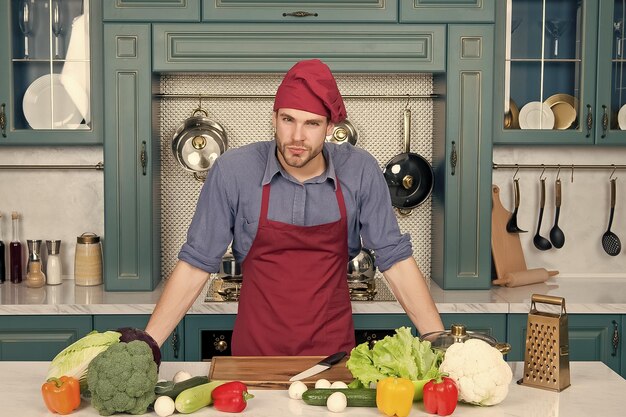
379 226
211 229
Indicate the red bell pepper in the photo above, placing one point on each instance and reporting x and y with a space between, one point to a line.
231 397
440 396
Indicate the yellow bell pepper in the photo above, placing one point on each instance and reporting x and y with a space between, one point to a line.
394 396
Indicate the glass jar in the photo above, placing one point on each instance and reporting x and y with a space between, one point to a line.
88 260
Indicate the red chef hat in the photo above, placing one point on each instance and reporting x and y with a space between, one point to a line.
310 86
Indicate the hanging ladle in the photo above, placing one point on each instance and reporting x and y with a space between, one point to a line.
541 242
610 241
511 225
557 237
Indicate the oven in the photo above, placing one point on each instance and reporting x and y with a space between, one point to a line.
218 342
215 343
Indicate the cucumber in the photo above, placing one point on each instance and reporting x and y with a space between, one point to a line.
172 390
357 397
195 398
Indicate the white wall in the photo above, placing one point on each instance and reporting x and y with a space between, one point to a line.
53 204
584 210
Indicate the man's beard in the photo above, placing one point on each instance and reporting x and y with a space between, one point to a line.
296 161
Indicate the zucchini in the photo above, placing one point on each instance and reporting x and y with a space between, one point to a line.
195 398
172 390
357 397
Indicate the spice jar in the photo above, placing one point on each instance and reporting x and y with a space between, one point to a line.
53 265
35 278
88 260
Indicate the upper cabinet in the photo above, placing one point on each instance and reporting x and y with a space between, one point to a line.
50 58
152 11
447 11
559 70
300 11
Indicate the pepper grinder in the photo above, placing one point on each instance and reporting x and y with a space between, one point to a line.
53 265
35 278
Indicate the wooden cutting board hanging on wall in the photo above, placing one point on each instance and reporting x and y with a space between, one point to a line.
506 248
273 372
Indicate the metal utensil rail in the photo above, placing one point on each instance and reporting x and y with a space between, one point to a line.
98 167
559 167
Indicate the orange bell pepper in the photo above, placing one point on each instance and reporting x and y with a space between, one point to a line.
61 395
394 396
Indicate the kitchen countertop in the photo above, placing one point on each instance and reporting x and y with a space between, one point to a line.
582 296
594 392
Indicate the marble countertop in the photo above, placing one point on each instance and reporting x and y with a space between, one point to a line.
582 296
592 393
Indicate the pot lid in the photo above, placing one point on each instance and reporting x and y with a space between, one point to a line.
457 334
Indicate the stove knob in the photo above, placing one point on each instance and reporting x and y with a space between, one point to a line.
221 346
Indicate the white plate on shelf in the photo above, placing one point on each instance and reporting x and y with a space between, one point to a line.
536 115
621 117
47 105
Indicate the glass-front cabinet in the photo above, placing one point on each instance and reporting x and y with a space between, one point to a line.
560 72
50 81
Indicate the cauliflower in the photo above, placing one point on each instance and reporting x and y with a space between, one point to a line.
122 379
482 375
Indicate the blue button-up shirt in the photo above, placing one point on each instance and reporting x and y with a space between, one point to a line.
230 203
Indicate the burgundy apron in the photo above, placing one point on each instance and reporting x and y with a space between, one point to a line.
294 299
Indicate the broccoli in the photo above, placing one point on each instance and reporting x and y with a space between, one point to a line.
122 379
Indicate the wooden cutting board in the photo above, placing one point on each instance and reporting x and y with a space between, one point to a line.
273 372
506 247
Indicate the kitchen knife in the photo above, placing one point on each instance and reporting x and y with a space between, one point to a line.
321 366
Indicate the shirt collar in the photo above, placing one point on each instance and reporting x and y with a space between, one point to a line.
273 167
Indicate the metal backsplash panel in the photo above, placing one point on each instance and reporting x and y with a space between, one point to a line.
379 122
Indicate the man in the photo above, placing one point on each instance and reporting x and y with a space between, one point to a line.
296 209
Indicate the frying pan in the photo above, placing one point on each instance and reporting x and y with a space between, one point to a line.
409 176
198 142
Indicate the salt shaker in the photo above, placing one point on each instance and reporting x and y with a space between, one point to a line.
53 265
88 260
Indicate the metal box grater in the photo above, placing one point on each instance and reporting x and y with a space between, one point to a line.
546 357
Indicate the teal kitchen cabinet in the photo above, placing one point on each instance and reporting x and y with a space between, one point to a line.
39 338
51 84
461 235
492 324
171 350
447 11
131 151
342 11
591 338
559 73
152 11
259 47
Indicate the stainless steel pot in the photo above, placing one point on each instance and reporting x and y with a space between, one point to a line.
230 266
458 334
344 132
361 268
198 142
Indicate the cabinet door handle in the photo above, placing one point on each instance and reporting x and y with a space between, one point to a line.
3 121
589 120
300 13
615 338
605 121
143 157
453 158
174 342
